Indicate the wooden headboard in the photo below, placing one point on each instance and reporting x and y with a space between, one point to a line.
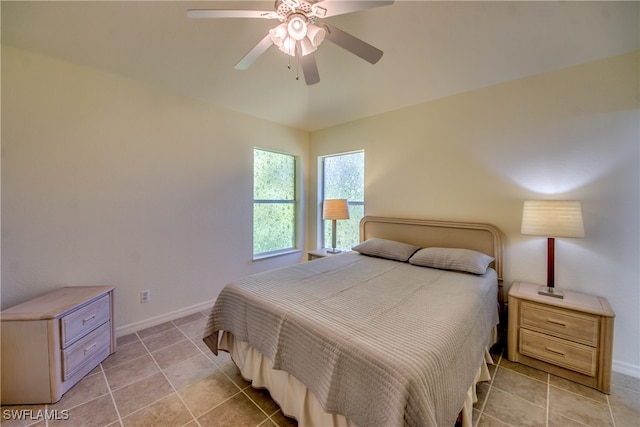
484 238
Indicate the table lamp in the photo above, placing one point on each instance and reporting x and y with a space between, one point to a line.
334 209
552 218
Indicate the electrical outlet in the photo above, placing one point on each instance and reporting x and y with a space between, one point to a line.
145 296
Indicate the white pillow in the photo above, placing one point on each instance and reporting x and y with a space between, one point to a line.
464 260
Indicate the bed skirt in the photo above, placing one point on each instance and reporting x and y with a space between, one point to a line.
298 402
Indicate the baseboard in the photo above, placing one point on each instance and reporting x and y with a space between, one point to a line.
153 321
626 369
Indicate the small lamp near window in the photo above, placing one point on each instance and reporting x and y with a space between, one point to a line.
552 218
334 209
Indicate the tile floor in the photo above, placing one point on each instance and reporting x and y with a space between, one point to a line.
165 376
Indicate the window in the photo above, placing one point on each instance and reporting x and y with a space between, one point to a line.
274 202
343 178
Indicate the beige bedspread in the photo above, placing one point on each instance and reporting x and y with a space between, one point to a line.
382 342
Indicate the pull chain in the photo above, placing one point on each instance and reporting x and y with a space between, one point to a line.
297 66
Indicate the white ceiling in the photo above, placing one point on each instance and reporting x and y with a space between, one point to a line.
431 50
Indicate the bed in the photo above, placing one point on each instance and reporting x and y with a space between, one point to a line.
393 333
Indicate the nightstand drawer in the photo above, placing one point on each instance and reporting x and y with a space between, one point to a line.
78 323
576 327
95 346
570 355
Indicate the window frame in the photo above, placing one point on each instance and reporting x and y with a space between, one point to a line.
294 202
321 192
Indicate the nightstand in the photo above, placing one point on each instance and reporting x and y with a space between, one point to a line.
51 342
319 253
570 337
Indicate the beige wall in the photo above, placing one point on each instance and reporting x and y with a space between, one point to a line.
477 156
109 181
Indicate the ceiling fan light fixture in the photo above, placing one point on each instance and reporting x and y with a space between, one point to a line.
288 46
286 35
306 47
297 27
279 34
315 34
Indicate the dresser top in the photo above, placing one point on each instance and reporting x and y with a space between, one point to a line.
55 303
572 300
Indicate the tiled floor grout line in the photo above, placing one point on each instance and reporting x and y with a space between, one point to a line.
258 406
240 390
581 395
84 402
193 417
140 379
546 416
527 376
613 419
269 417
548 397
549 386
521 398
221 403
486 398
188 338
193 342
113 399
548 383
490 389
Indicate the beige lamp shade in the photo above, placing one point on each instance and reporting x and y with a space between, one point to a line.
552 218
333 209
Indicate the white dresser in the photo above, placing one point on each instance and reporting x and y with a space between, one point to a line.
51 342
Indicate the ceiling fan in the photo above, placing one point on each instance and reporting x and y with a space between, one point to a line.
299 33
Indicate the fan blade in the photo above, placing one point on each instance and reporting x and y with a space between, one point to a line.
212 13
327 8
254 53
352 44
309 66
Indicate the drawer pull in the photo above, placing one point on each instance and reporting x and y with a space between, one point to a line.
88 319
556 322
553 350
90 348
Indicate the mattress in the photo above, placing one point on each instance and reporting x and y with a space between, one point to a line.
383 343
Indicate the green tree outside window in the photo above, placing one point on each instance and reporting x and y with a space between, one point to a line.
274 202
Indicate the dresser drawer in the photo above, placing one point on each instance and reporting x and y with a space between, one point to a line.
568 354
576 327
94 347
76 324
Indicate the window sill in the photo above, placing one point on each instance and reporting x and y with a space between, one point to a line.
275 254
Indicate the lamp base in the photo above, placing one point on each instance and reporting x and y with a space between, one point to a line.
333 251
550 292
